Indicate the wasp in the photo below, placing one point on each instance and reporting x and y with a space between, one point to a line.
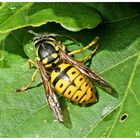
64 75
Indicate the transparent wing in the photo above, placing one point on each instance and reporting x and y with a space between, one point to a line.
90 73
50 95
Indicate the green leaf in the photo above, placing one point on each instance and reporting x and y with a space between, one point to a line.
126 64
117 60
73 17
113 12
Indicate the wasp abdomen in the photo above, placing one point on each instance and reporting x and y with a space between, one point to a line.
68 81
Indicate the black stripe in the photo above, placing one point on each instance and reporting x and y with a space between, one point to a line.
72 83
37 42
92 94
42 40
82 96
85 92
51 59
62 75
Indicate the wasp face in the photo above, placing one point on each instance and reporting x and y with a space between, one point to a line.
44 37
38 39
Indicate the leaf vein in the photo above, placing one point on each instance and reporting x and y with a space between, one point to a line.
22 7
126 18
98 122
125 95
124 60
20 124
137 100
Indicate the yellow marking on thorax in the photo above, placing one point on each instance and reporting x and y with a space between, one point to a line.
37 51
48 65
49 42
56 48
45 60
63 47
52 39
54 55
37 58
56 61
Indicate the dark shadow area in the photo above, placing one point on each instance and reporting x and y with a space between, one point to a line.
10 44
118 35
113 11
1 3
89 61
67 120
38 85
13 42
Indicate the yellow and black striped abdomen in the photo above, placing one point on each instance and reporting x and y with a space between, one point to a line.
69 82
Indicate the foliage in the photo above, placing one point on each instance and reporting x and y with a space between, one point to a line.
117 61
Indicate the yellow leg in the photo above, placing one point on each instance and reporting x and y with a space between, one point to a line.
29 84
31 62
89 55
86 47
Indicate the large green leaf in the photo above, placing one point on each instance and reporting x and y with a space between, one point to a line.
71 16
124 36
117 60
113 12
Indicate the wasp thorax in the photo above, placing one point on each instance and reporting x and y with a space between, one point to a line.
47 50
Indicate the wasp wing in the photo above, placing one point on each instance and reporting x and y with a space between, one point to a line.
90 73
50 95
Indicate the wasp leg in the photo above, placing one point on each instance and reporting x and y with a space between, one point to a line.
29 84
31 62
86 47
89 55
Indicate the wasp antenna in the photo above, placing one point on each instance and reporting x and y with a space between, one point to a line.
74 40
31 31
69 37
